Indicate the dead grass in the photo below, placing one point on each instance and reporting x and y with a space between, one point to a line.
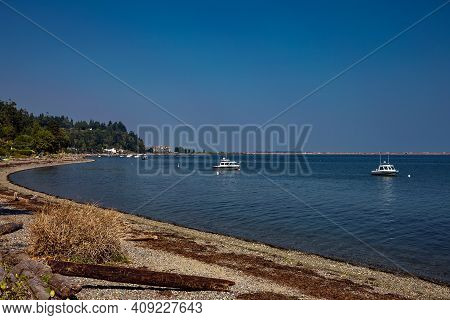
78 233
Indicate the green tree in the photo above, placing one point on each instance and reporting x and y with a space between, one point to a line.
44 141
24 141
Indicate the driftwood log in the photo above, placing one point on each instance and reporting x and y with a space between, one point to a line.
38 276
10 228
63 287
139 276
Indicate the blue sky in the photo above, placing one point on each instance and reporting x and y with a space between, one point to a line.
239 62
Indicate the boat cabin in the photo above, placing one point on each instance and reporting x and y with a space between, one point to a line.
386 167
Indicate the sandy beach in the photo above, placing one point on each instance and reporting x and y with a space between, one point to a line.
259 271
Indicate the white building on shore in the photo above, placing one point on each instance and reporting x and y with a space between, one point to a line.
112 150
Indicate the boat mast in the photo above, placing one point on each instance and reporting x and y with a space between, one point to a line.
388 157
380 158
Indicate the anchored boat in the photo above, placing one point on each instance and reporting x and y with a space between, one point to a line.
385 169
227 164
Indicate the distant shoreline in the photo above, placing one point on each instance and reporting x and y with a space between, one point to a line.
291 153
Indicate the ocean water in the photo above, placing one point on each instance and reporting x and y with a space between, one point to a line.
327 205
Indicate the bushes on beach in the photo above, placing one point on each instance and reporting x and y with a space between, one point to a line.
77 233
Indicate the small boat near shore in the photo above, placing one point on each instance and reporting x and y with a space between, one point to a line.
227 164
385 169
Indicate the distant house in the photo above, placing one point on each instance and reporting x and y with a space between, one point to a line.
112 150
161 149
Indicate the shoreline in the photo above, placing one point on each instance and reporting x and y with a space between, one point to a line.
53 197
252 241
355 281
219 154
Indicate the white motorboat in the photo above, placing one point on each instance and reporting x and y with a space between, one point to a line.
227 164
144 157
385 169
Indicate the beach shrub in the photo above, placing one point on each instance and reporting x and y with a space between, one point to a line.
77 233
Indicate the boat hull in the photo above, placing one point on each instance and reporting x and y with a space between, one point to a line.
226 168
386 174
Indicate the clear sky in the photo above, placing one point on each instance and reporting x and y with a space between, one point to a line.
215 62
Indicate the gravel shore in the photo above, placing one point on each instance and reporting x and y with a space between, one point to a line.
259 271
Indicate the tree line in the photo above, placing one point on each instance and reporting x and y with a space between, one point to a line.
184 150
22 133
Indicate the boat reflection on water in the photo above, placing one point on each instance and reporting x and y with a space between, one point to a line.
387 192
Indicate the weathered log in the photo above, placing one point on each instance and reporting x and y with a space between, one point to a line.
139 276
33 266
38 287
10 228
63 286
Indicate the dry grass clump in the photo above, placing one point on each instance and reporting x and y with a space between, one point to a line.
78 233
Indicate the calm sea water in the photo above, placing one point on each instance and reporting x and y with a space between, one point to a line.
338 211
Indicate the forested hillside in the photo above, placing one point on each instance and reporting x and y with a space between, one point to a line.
22 133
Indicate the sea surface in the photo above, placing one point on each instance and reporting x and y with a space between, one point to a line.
323 204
